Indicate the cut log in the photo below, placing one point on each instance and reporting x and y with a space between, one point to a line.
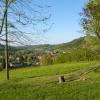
61 79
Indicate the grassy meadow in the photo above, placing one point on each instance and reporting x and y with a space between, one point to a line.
41 83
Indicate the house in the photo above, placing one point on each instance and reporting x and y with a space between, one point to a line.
16 65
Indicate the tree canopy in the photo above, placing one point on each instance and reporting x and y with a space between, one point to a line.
91 18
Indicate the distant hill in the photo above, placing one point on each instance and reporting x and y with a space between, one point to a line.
76 43
11 48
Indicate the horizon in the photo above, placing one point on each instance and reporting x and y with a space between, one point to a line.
63 25
44 43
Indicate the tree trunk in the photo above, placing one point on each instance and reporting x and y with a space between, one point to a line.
6 44
61 79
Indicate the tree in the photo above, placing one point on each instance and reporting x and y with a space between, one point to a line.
15 18
46 59
29 60
91 18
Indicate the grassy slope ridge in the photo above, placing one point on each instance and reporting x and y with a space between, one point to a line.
42 83
11 48
70 45
73 44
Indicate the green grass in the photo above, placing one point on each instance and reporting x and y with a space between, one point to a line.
41 83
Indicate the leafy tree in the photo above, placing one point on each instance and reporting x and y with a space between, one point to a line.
91 18
21 59
29 59
46 59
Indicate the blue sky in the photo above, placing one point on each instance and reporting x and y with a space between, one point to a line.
66 18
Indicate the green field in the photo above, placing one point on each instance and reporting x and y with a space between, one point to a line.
41 83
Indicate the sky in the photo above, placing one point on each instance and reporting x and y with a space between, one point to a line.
66 18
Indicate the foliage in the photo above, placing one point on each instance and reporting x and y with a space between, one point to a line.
91 18
46 59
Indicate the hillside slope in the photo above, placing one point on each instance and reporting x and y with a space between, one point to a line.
70 45
76 43
41 83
